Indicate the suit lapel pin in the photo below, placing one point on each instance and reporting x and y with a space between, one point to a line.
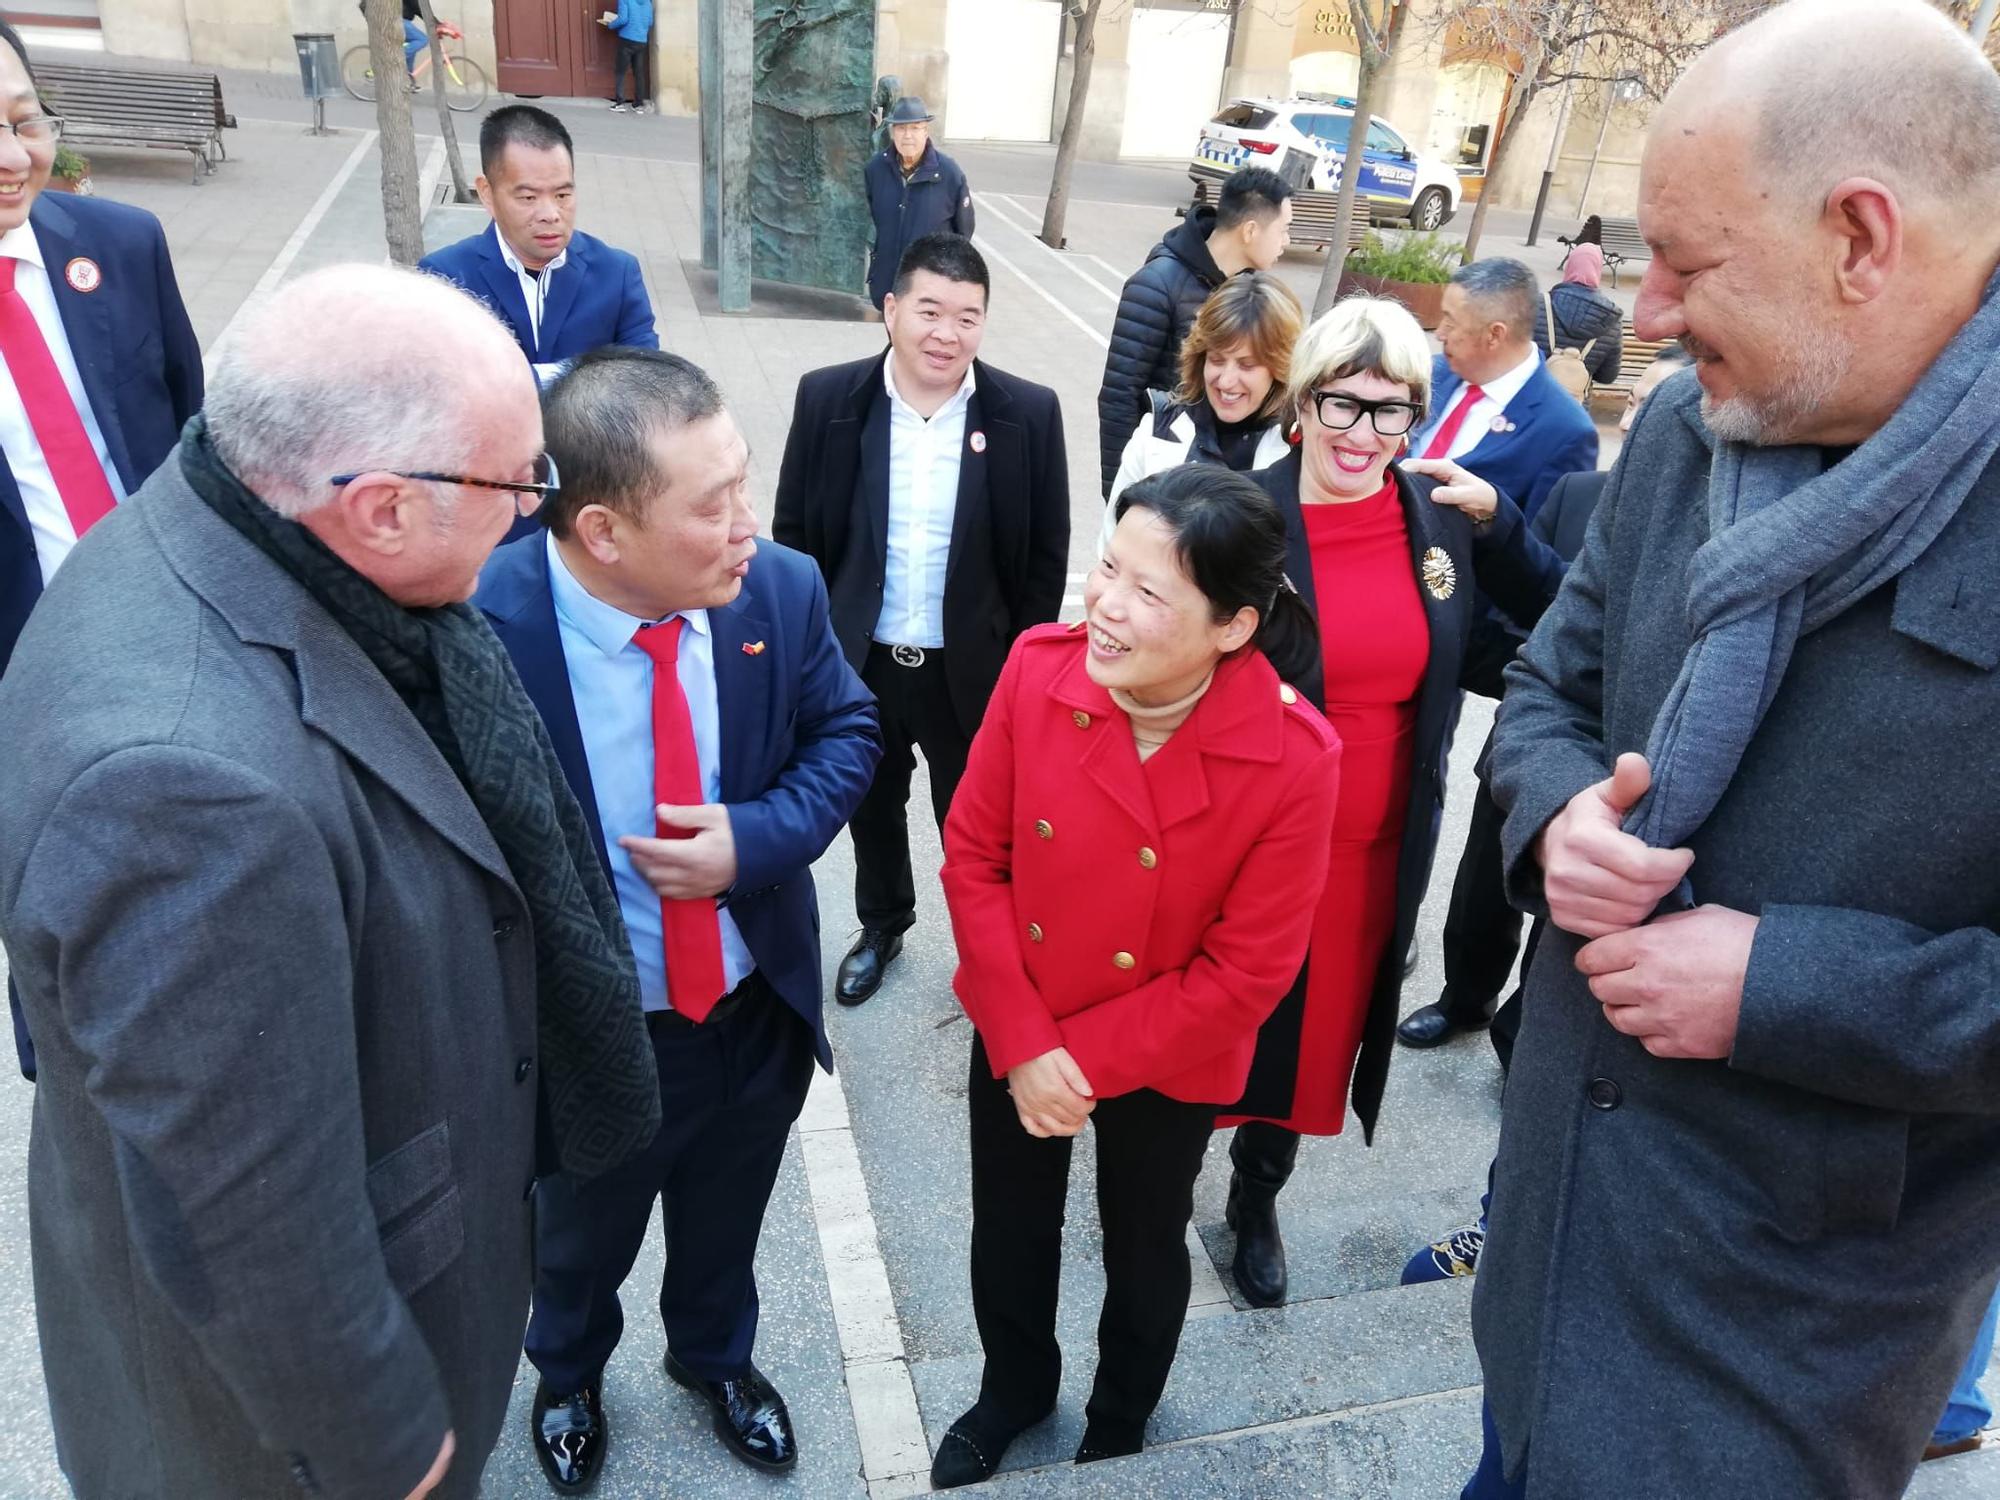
83 275
1440 577
977 442
1501 424
753 648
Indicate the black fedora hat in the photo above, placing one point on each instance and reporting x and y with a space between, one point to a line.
909 110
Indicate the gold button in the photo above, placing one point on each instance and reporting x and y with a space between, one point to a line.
1123 960
1043 828
1285 693
1147 859
1034 932
1080 719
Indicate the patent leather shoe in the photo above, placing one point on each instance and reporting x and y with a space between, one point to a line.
1433 1025
1259 1267
750 1416
570 1437
867 961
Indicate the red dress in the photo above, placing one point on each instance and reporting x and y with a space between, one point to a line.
1375 645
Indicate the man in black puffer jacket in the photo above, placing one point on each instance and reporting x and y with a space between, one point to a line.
1248 228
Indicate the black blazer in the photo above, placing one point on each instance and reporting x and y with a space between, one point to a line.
1010 532
1453 658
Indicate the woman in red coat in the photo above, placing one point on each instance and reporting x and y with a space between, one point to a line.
1130 863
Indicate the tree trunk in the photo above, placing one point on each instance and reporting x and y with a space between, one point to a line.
402 214
1373 61
1523 97
461 191
1082 55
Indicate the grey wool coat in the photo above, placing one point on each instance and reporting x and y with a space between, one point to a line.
1758 1276
283 991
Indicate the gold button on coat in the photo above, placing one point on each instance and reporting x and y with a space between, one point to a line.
1148 859
1044 829
1123 960
1034 932
1080 719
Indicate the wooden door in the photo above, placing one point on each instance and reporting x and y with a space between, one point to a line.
553 48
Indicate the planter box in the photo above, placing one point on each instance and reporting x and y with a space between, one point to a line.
1424 299
81 186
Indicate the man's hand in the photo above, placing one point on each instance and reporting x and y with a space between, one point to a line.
700 863
1051 1095
1458 487
436 1476
1677 983
1596 877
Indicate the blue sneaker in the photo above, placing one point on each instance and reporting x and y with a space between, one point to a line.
1457 1254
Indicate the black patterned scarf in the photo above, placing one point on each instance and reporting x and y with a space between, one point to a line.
598 1078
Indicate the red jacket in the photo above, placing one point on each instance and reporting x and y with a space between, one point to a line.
1147 917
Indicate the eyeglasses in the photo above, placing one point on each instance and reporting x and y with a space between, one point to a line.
529 496
36 130
1339 412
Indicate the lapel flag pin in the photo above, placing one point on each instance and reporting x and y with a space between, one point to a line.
977 442
753 648
83 275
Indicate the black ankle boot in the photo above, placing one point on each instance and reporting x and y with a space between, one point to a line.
972 1448
1259 1266
1102 1440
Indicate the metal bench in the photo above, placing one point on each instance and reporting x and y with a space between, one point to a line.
1618 238
131 107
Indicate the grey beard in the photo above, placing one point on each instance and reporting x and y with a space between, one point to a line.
1820 363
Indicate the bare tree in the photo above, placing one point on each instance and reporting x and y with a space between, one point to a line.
1376 44
402 214
461 192
1084 13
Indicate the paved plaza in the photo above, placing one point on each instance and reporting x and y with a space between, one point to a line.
1356 1388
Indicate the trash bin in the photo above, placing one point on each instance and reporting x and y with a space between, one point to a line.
319 64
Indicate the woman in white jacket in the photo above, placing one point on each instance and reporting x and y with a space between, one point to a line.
1228 407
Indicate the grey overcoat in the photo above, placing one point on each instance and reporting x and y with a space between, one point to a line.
1758 1277
283 989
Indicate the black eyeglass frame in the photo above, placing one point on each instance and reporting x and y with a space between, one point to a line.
1364 408
543 491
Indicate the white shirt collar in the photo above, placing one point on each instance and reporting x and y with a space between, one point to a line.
1505 388
19 243
960 397
514 261
605 626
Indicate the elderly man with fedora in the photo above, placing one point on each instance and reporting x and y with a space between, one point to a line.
913 189
1750 1158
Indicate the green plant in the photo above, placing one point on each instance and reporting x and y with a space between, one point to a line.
71 166
1420 259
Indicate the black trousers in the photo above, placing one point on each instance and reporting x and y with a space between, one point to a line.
1482 931
732 1088
1149 1152
631 55
915 707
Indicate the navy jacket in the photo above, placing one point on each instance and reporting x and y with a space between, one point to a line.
799 741
136 351
1552 436
931 198
597 298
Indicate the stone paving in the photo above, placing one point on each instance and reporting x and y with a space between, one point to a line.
1357 1388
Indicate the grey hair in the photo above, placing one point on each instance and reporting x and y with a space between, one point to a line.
1503 290
600 420
354 368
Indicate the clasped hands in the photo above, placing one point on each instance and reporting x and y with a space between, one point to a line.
1050 1093
698 864
1675 983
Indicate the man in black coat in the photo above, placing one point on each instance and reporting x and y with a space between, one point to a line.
1247 229
933 492
914 189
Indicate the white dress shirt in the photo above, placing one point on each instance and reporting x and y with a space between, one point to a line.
48 521
611 679
534 292
924 459
1478 423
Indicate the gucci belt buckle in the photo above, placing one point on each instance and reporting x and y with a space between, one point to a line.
907 656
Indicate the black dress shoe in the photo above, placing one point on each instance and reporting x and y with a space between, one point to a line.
867 961
1259 1267
1102 1440
1429 1025
750 1416
570 1437
971 1450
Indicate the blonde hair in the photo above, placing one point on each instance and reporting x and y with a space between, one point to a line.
1362 335
1254 308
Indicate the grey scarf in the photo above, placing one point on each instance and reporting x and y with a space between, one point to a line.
1791 546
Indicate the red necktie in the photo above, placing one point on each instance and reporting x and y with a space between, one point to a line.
66 449
691 929
1440 443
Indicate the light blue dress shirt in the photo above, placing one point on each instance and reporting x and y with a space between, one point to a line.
611 680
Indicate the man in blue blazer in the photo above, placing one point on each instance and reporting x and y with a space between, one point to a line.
99 366
703 711
562 291
1494 406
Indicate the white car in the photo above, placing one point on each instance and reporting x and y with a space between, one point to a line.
1304 140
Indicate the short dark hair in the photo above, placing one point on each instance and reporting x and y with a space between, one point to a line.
13 39
1250 193
1505 290
600 418
945 254
519 125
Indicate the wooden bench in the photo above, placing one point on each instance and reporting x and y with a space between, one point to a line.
131 107
1619 239
1312 213
1633 359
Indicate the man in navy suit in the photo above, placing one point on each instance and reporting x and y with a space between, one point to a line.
704 713
99 366
562 291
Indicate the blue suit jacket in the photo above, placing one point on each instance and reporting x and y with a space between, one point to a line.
799 740
136 352
597 298
1552 436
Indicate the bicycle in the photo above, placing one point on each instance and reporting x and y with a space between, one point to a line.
465 87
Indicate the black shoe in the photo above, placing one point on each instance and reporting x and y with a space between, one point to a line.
1102 1440
973 1447
1430 1025
1259 1268
1410 959
867 961
750 1416
570 1437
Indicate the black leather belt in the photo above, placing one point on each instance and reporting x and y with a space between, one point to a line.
906 656
672 1020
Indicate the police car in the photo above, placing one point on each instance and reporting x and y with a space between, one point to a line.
1304 139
